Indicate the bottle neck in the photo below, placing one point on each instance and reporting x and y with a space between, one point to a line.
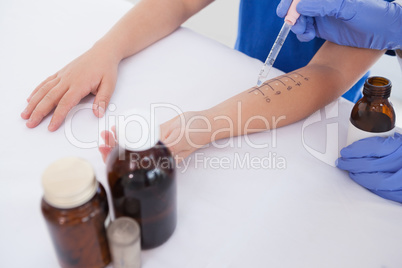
376 88
375 99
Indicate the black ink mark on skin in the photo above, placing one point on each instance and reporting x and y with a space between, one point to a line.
286 78
267 84
278 81
256 89
290 78
298 74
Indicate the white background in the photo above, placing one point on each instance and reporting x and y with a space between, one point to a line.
309 214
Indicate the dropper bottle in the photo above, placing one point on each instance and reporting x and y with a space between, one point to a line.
372 115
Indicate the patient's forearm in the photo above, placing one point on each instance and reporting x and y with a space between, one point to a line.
147 22
294 96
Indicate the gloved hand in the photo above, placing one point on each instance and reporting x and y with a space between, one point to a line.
375 24
376 164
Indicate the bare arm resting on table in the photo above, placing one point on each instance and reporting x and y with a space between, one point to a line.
278 102
95 71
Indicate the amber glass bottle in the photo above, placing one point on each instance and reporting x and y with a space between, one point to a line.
75 208
142 182
373 114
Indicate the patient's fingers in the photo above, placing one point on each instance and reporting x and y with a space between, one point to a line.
72 97
110 142
46 105
105 151
41 85
109 138
38 96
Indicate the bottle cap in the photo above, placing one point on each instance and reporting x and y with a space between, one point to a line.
69 182
137 130
123 231
125 243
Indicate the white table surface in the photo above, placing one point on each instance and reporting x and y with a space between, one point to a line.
304 214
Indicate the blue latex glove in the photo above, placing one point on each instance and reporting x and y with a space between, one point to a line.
375 24
376 164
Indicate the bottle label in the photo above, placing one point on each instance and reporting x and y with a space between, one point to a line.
355 134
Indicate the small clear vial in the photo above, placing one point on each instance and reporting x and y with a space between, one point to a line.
372 115
76 211
125 243
142 179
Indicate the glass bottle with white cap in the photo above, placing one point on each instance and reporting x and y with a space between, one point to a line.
141 176
76 211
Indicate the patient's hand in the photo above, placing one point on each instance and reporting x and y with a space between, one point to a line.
93 72
109 137
186 133
183 135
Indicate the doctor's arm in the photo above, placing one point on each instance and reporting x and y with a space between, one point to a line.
278 102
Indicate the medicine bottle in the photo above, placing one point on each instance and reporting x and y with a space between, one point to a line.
373 114
75 209
141 176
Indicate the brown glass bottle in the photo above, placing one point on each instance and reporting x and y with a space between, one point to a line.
373 114
76 211
143 187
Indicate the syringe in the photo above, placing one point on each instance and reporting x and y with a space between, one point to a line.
290 20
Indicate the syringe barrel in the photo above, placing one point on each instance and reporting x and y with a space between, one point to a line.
280 39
